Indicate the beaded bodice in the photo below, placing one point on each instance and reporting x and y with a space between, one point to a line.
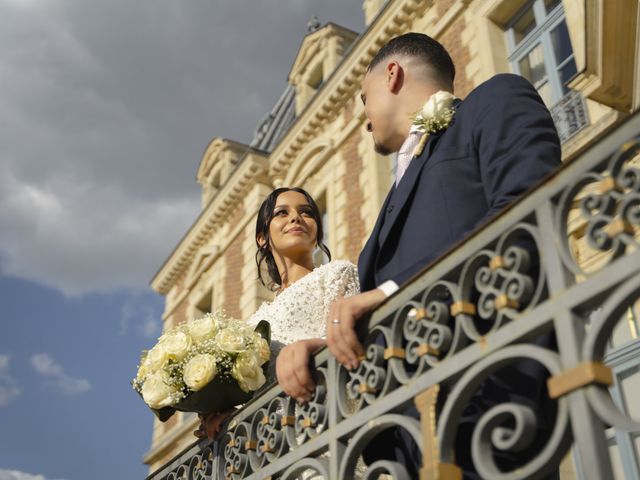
300 311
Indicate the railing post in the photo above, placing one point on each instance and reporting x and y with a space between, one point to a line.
432 468
588 429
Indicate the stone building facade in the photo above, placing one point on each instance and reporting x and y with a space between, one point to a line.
582 56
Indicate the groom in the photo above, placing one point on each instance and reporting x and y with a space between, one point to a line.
500 141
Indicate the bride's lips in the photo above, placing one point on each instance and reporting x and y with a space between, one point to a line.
296 230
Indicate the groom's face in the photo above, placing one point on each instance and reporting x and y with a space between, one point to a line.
380 109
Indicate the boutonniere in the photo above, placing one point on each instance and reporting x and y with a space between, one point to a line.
434 116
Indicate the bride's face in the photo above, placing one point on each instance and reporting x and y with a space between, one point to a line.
293 230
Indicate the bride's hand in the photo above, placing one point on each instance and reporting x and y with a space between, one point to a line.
210 424
292 368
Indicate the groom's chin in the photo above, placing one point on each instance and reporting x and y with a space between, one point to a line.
381 149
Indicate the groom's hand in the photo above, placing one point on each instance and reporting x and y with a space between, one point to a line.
343 316
292 368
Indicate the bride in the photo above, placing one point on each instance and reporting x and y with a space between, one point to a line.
288 230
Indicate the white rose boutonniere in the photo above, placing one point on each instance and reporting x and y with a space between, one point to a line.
436 114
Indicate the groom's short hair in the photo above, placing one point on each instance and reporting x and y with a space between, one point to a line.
423 47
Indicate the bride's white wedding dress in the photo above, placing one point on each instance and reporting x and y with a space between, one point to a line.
301 310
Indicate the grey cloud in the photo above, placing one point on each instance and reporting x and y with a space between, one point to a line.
105 110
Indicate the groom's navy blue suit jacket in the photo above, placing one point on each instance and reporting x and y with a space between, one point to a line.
501 141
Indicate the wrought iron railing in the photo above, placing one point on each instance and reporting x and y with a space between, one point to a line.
477 310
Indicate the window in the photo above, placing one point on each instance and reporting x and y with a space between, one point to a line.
540 50
204 305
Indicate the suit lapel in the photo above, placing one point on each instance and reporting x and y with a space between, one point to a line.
409 179
366 261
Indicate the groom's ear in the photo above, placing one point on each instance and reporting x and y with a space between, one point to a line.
395 76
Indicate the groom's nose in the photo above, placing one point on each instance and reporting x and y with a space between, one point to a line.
368 125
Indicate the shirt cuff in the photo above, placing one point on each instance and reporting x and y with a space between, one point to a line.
388 288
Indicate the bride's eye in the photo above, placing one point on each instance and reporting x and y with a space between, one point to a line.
280 212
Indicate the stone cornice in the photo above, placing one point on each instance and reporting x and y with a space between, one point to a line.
396 17
252 169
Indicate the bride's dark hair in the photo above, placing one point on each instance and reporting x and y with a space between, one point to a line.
265 215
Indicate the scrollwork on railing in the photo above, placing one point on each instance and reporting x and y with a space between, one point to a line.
608 208
480 311
506 427
593 350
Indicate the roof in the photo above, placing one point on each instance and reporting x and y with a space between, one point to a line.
275 124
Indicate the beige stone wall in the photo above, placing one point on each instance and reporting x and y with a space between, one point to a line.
328 152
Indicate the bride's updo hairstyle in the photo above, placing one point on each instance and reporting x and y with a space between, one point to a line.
265 215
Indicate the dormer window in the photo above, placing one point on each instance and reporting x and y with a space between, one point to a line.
320 53
315 78
217 164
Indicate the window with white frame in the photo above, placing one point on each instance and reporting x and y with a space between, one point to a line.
540 48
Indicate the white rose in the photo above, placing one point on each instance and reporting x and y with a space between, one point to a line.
264 352
248 372
202 329
156 358
144 369
157 390
176 345
436 105
199 371
231 341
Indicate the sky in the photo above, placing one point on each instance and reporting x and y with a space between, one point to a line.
105 110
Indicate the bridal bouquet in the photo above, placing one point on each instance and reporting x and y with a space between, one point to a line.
205 365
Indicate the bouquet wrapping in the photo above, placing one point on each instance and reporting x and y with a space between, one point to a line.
209 364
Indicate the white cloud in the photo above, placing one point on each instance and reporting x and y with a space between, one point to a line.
45 365
139 315
18 475
8 387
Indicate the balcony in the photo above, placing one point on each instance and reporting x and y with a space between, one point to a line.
475 311
569 115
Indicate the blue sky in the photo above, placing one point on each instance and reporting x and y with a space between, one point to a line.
105 110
